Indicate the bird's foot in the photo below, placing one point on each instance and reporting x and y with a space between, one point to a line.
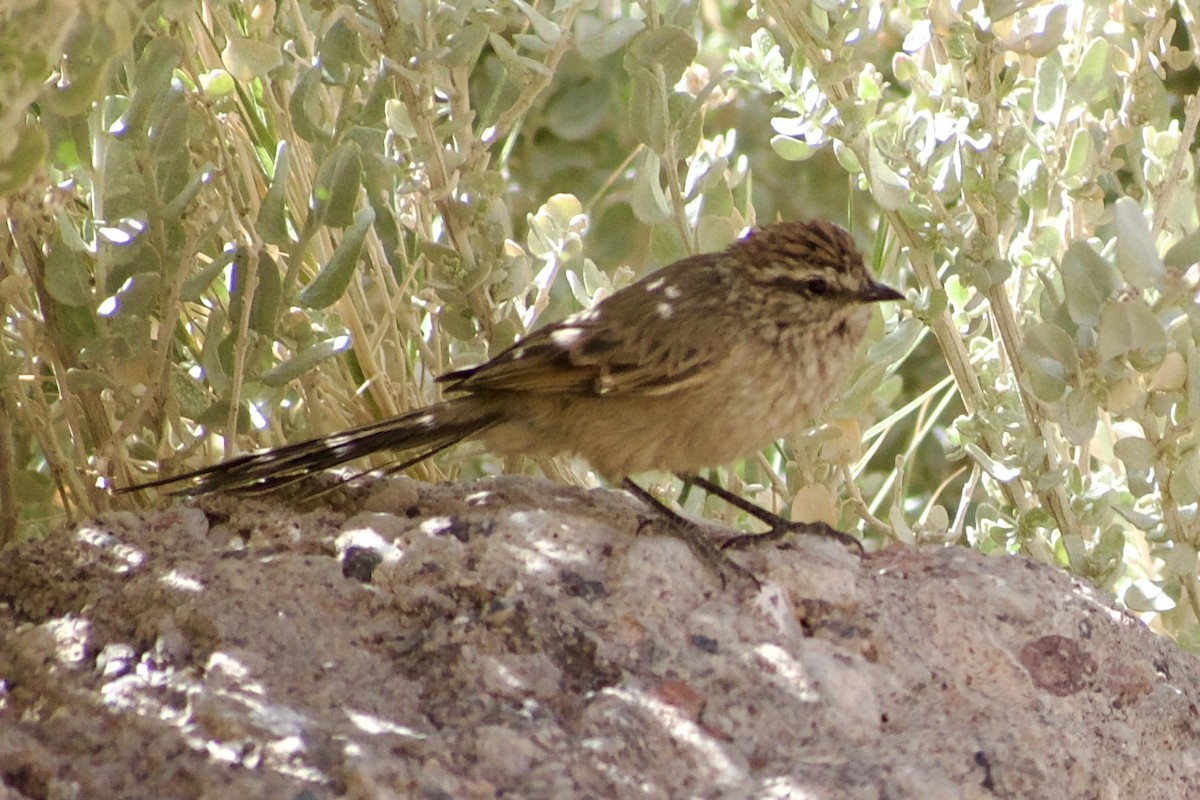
694 536
782 529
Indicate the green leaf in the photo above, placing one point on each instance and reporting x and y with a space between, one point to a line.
272 215
188 392
151 80
1144 595
714 233
175 208
649 201
198 284
1088 282
398 119
77 96
1079 424
647 112
1128 326
1180 560
334 278
790 148
1143 522
683 113
1185 479
1137 257
546 30
28 155
341 53
307 110
1094 78
1051 361
846 157
576 113
305 360
1135 452
67 278
247 59
1185 252
335 190
888 188
1080 153
217 83
466 45
1049 91
1000 471
510 56
264 311
895 347
667 46
139 294
607 39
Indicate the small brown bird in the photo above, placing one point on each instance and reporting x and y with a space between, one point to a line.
700 363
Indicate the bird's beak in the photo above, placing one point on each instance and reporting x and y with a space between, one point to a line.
878 293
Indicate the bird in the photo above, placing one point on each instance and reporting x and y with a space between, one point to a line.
696 365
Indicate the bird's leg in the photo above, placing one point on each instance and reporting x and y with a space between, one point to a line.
692 534
780 527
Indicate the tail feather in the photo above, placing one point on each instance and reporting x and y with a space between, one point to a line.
428 430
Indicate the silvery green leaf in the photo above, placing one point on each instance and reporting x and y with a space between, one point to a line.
1049 90
608 39
1088 282
1135 452
509 55
1145 595
272 214
997 469
1080 153
1185 479
667 46
334 278
196 285
647 112
895 347
714 233
1137 257
649 201
1050 360
1127 326
247 59
790 149
1185 252
335 190
1082 415
1143 522
67 278
19 165
304 361
1094 78
576 113
399 121
264 309
888 188
546 30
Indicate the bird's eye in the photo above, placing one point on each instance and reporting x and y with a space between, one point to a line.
808 287
816 287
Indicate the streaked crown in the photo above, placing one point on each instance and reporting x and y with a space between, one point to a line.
817 260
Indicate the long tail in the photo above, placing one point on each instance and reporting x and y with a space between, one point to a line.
420 434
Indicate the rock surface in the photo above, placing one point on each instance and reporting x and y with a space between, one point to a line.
514 638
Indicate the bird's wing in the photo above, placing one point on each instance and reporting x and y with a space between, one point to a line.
640 341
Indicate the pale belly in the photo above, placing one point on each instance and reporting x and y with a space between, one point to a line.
749 403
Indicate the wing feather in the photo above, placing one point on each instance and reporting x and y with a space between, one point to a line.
626 344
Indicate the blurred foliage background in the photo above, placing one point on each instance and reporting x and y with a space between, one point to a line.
233 225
